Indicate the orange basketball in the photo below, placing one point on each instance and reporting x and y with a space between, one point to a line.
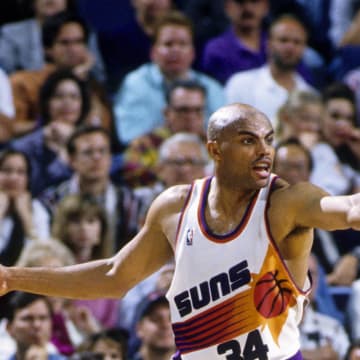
271 295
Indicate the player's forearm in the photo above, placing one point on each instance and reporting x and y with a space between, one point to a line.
83 281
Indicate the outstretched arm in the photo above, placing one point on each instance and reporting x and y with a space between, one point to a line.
112 277
313 208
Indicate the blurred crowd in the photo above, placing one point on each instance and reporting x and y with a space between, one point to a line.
104 104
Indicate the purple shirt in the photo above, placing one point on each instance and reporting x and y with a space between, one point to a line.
225 55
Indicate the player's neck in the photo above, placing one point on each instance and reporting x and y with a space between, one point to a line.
225 198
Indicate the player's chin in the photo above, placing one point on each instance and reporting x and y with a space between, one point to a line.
261 182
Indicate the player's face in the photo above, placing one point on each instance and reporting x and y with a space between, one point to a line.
246 153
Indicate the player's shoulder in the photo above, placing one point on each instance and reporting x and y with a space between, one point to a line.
171 200
296 193
175 195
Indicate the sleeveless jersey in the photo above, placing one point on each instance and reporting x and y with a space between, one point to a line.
232 296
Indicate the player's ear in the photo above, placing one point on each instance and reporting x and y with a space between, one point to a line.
213 150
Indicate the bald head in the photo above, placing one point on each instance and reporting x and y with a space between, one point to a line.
228 117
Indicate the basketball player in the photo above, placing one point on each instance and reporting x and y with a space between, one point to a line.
241 241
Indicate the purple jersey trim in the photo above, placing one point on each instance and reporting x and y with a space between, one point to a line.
297 356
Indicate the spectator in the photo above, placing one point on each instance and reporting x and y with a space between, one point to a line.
124 25
82 225
184 112
340 131
20 41
340 263
243 45
321 336
153 329
71 322
139 102
29 323
275 80
22 218
64 104
89 156
64 39
158 282
182 159
111 344
301 117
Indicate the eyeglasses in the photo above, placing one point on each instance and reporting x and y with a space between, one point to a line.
67 42
33 318
102 151
185 161
184 110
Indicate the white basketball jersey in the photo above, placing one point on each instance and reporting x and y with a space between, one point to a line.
232 296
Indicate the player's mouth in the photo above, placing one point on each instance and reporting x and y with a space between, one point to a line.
262 169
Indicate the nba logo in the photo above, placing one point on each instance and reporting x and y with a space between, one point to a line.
189 236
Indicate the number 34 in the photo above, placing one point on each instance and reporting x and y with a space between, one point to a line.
254 348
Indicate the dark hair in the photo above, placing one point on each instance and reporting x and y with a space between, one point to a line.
149 302
185 84
116 334
295 142
74 207
20 300
84 130
48 90
12 152
338 90
52 26
175 18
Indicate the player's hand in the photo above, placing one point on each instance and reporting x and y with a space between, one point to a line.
84 319
82 70
344 272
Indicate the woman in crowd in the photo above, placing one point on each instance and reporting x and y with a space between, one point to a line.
81 224
22 218
64 104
